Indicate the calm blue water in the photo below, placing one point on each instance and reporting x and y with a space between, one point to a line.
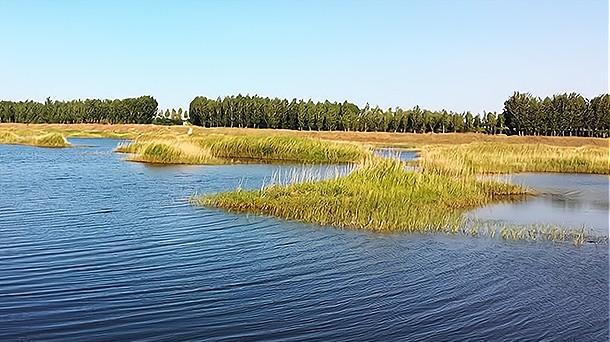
567 200
93 248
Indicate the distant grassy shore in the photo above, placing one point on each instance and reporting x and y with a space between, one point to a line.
380 139
450 153
479 158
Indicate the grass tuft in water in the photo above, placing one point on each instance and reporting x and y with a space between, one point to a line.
32 139
168 152
533 232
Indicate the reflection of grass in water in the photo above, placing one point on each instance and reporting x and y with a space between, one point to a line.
532 232
41 140
380 196
213 149
305 174
479 158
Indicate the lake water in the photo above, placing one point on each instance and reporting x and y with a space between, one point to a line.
567 200
93 248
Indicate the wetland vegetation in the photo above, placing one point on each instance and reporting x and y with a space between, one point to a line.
380 195
218 149
41 140
480 158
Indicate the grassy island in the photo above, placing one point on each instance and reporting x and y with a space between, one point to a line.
219 149
380 196
40 140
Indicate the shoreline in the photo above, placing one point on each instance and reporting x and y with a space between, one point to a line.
376 139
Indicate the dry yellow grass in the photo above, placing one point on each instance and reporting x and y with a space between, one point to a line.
168 152
476 158
40 140
450 152
371 138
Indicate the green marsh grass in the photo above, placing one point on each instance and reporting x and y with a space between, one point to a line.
380 195
218 149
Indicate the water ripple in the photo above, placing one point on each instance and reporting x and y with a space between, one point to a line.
101 250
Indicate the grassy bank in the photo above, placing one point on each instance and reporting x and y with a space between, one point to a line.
477 158
217 149
41 140
451 153
379 196
369 138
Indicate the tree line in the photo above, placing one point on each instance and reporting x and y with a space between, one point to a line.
523 114
131 110
564 114
263 112
558 115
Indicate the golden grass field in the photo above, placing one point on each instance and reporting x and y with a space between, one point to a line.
405 140
480 158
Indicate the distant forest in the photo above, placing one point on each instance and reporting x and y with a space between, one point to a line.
523 114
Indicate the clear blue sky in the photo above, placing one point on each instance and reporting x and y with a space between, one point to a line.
459 55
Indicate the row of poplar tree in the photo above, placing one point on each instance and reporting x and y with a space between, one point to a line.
524 114
132 110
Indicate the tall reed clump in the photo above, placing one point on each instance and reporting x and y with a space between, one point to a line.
477 158
51 140
218 149
280 148
168 152
33 139
379 196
